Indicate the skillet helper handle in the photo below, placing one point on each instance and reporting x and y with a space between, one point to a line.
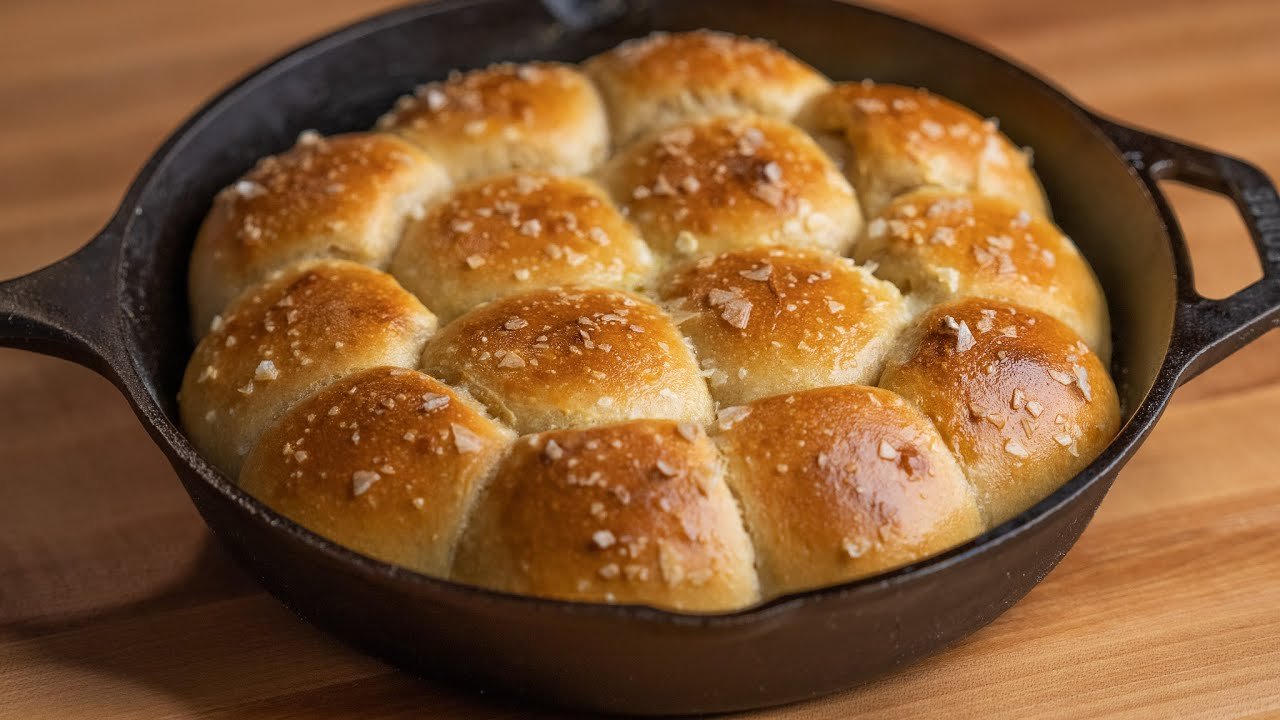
69 309
1207 331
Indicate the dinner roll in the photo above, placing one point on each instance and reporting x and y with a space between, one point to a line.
636 512
310 324
1021 401
665 79
565 357
385 461
343 197
939 245
770 320
518 232
728 183
842 482
534 116
690 233
893 139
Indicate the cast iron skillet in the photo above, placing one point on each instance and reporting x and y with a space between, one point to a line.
119 306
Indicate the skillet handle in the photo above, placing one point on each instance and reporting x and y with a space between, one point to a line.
1207 331
69 309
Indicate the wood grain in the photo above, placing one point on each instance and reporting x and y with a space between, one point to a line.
115 602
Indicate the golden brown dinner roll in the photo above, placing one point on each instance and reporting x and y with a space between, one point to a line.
705 284
665 79
1021 401
894 139
636 512
518 232
770 320
385 461
343 197
939 245
310 324
565 357
842 482
728 183
535 116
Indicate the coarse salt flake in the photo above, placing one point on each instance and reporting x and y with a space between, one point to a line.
964 337
730 416
1015 448
464 440
1061 377
362 480
434 401
266 370
511 360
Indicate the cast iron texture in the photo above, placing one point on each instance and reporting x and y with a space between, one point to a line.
119 306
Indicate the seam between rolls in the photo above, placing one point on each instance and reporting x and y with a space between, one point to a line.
722 461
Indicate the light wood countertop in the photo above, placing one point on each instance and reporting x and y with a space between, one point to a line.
116 602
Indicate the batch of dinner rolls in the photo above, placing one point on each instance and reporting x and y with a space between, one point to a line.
687 325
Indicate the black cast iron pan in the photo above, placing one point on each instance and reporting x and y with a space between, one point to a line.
119 306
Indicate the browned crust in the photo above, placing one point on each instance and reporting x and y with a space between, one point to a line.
861 483
342 197
901 138
531 116
1020 399
287 337
636 512
385 461
728 183
516 232
941 245
666 78
571 357
771 320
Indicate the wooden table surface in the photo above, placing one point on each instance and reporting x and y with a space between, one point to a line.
116 602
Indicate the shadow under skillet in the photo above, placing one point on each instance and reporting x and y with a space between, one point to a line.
109 580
